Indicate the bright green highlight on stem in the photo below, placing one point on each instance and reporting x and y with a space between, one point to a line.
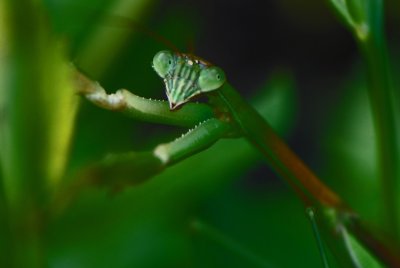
358 254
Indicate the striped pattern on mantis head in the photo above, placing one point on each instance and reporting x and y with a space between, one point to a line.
186 76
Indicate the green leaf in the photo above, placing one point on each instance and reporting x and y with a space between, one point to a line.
348 251
360 257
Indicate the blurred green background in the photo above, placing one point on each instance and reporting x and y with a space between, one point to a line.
292 59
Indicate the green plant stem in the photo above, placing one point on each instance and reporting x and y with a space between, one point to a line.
311 215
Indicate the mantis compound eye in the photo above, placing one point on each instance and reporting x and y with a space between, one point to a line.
211 78
163 62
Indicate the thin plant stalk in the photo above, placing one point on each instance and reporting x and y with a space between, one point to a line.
381 96
311 215
365 19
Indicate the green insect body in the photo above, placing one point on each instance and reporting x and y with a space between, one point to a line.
186 76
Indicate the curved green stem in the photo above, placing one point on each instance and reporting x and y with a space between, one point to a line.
311 215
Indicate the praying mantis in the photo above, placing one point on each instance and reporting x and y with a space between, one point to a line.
226 114
185 77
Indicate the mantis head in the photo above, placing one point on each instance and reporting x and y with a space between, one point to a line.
186 76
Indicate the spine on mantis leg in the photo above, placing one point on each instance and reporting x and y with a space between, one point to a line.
141 108
195 140
311 216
